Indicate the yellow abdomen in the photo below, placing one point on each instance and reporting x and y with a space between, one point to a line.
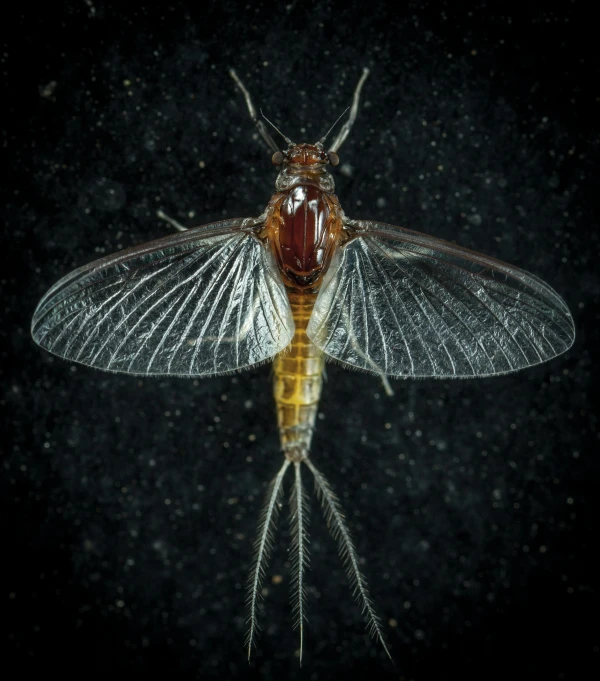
298 382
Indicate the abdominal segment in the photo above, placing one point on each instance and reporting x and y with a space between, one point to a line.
298 381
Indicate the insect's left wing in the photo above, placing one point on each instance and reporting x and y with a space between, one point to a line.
401 303
204 302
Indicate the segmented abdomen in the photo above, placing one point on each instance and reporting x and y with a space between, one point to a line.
298 382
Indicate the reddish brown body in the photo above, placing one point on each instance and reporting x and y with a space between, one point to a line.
304 226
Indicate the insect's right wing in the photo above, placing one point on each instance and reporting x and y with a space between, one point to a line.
401 303
204 302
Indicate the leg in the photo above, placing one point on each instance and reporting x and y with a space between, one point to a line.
345 130
260 126
179 227
375 367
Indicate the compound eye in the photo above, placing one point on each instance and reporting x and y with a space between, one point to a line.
277 158
334 159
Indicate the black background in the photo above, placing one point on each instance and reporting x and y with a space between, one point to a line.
130 505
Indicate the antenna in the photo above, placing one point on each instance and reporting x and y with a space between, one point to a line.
326 135
287 139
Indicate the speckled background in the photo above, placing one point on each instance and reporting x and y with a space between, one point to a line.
130 506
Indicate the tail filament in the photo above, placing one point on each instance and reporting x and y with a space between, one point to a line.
262 552
338 529
299 518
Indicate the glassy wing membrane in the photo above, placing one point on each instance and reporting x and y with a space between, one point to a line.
401 303
204 302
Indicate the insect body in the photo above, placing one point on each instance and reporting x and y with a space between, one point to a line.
304 227
300 284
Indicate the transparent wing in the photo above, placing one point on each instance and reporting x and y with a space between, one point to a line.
204 302
401 303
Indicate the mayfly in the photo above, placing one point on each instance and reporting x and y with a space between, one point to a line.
301 284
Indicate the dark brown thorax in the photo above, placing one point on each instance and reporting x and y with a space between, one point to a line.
304 219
